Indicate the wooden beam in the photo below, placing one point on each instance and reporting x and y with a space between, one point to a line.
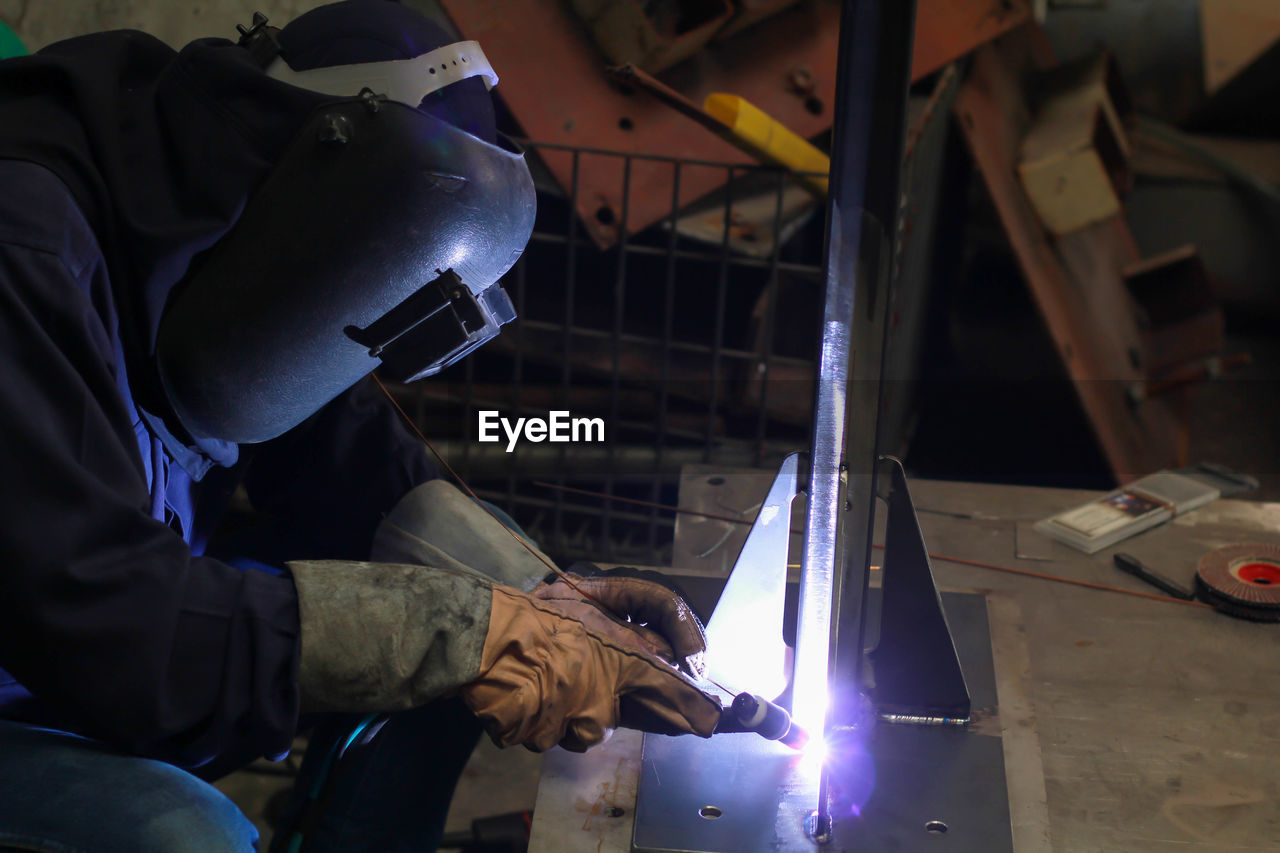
1077 280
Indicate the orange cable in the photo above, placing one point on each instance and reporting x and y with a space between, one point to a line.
565 577
638 502
677 509
1059 579
962 560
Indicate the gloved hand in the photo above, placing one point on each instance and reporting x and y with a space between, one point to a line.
548 677
645 604
387 637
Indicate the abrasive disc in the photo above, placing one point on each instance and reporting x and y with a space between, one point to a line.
1243 580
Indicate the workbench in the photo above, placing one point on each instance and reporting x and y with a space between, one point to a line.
1129 724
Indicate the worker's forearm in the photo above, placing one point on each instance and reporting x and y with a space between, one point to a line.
386 636
438 525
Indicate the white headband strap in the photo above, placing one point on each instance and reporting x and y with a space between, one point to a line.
405 80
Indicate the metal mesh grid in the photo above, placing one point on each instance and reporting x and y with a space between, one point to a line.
690 349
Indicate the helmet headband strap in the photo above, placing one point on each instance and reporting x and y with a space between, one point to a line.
405 80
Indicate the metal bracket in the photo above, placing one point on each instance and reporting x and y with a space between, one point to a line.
889 787
918 678
745 650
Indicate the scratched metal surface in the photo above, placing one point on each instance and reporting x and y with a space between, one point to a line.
586 802
1156 722
922 776
709 546
1144 726
1131 726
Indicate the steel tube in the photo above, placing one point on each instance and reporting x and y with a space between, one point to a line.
619 311
870 108
668 332
566 366
717 341
517 369
767 332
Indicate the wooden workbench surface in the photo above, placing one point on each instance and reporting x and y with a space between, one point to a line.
1145 726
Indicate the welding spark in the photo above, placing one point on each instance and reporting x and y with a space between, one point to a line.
850 769
813 757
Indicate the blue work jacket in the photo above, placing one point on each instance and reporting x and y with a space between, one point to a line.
114 621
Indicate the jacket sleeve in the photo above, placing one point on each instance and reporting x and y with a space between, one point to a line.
105 616
329 482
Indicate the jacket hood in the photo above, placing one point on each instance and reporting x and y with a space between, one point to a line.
162 149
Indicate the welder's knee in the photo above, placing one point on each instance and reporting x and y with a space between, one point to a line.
59 792
191 816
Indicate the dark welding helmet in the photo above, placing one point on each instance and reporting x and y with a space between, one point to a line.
377 240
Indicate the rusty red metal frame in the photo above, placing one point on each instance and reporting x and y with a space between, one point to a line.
555 83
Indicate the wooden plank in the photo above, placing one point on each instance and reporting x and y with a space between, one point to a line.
1072 166
1160 159
1077 283
1235 33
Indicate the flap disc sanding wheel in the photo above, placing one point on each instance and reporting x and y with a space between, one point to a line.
1242 580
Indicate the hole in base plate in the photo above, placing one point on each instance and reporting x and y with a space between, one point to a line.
710 812
937 827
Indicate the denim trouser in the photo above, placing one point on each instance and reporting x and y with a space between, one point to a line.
64 794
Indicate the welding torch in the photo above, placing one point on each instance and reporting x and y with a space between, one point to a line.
753 713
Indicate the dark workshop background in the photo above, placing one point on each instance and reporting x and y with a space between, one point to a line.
695 341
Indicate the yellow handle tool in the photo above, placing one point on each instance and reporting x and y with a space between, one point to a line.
764 137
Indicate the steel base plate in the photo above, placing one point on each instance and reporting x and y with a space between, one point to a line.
910 788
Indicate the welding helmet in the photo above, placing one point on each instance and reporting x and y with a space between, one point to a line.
378 238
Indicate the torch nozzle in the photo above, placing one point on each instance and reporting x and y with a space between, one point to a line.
752 713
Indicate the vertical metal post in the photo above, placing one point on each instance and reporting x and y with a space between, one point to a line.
870 108
717 340
718 334
517 375
664 378
883 134
566 364
468 412
768 325
615 387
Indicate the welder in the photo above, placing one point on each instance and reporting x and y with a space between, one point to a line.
203 254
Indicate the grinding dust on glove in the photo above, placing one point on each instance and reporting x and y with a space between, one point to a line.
546 678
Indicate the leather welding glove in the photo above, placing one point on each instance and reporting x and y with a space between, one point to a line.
388 637
652 605
435 524
548 678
